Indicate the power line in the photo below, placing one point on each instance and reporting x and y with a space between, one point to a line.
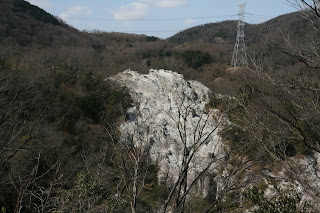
147 20
152 31
155 31
164 19
257 15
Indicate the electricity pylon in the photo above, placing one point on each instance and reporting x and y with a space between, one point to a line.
239 57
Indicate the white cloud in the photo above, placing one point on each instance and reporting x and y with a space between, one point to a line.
169 3
44 4
76 11
141 8
189 21
132 11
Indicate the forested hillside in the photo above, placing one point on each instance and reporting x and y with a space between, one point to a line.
60 117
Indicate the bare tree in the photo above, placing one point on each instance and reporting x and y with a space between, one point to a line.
310 6
190 142
305 50
34 194
283 115
201 155
130 157
22 126
18 98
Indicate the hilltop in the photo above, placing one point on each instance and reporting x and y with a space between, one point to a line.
225 31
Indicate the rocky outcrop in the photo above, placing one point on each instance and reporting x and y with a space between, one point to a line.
168 111
169 116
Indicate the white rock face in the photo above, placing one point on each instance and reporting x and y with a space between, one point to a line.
164 103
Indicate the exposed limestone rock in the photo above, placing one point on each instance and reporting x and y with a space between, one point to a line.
162 98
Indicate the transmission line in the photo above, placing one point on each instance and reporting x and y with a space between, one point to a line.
147 20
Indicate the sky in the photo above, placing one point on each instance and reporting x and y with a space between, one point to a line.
160 18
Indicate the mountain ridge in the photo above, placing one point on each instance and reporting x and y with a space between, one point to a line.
227 29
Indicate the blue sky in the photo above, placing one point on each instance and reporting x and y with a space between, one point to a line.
161 18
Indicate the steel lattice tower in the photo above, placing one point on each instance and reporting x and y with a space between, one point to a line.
239 57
